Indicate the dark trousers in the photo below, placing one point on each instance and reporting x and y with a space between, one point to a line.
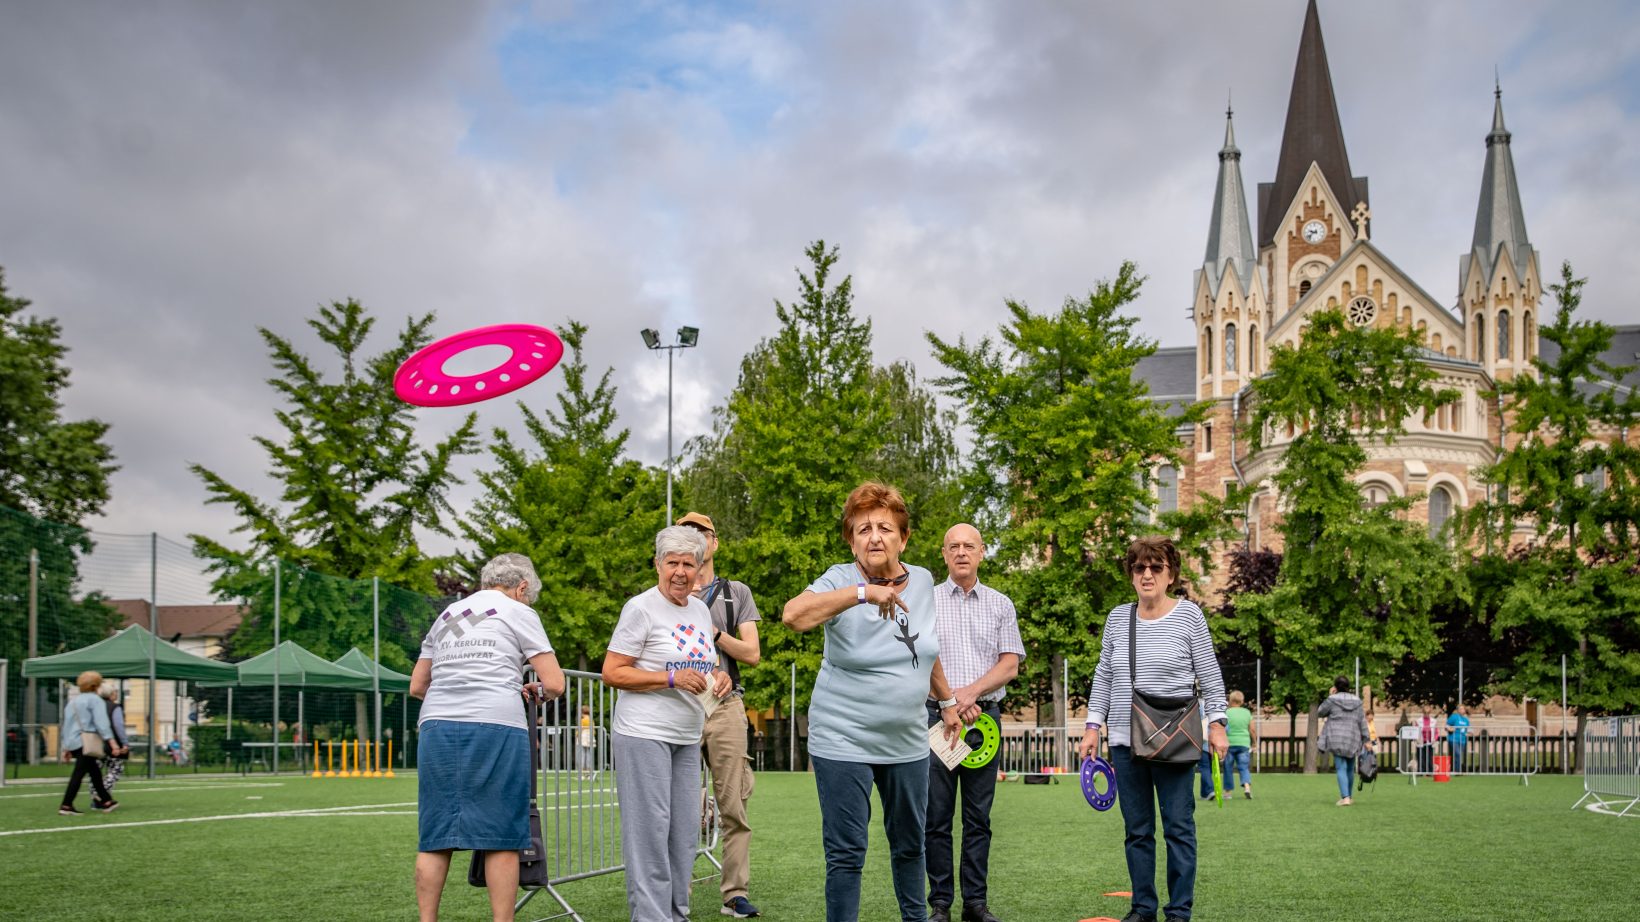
85 765
845 822
1205 767
1141 787
979 786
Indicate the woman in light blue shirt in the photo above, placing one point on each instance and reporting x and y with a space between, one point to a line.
867 719
85 714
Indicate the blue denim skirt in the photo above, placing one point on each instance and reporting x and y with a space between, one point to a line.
472 786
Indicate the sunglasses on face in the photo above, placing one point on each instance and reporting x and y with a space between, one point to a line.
1160 569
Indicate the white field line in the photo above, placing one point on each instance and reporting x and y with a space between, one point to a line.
125 789
332 811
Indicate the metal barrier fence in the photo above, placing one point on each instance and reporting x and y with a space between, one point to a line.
1611 763
580 816
1038 751
1514 751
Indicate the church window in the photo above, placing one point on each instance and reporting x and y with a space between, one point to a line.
1362 311
1229 347
1528 336
1303 288
1207 438
1252 350
1480 338
1440 510
1595 480
1167 488
1207 352
1504 352
1374 494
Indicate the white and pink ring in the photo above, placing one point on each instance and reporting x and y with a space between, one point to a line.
421 380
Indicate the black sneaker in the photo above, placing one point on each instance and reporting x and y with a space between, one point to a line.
740 908
1137 916
939 913
68 810
105 807
978 912
1247 794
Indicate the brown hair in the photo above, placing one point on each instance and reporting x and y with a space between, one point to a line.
869 497
1154 549
89 680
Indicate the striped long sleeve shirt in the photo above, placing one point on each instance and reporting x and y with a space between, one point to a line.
1175 652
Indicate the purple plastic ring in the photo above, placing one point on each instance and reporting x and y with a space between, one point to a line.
1092 768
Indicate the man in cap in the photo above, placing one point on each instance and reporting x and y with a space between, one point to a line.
734 618
981 650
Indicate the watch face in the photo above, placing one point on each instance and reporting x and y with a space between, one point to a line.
1314 231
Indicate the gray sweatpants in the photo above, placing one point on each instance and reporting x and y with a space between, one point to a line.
658 785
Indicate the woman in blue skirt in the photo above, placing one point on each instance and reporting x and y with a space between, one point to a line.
473 758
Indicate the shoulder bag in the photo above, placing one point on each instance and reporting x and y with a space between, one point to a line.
1163 729
90 743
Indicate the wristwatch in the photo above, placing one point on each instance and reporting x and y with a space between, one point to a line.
860 593
947 703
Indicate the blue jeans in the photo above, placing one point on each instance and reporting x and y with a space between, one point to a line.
845 820
1204 767
1142 786
1237 763
1345 767
1457 755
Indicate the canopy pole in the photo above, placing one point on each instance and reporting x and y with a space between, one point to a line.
31 703
376 657
4 736
276 618
153 644
301 727
230 712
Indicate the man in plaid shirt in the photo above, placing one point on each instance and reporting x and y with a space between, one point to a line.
981 651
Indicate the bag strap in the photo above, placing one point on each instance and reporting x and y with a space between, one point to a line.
1133 646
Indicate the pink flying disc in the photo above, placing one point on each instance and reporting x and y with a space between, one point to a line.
421 379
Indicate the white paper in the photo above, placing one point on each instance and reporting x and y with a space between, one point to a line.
708 700
950 753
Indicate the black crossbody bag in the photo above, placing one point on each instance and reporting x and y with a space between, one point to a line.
533 873
1163 729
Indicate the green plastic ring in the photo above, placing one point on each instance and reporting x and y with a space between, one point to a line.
990 741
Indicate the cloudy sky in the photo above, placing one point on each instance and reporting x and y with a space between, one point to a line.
173 175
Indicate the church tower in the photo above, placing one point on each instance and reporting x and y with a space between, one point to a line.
1230 300
1498 280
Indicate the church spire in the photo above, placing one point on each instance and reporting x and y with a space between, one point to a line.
1230 236
1500 222
1313 134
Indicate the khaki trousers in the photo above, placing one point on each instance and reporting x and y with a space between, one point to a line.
732 783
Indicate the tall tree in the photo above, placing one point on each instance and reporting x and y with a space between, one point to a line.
1355 580
356 484
1572 477
572 502
810 418
1065 440
49 467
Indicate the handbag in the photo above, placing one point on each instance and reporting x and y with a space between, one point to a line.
1163 729
533 873
90 743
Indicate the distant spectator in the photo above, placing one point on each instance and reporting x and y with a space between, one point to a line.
1457 735
86 714
1239 728
583 743
1345 735
113 761
179 755
1429 733
1204 765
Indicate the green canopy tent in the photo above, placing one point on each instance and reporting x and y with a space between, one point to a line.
391 681
290 665
125 656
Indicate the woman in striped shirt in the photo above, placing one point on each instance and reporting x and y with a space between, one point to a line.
1173 657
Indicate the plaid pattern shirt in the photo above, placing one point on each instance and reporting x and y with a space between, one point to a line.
976 627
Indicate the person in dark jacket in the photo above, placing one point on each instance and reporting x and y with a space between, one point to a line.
1344 735
113 762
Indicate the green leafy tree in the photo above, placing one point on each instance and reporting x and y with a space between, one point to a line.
1572 477
810 419
356 484
1065 439
1356 581
572 502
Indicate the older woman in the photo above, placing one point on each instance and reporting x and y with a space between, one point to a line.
474 774
662 659
86 714
868 721
1173 657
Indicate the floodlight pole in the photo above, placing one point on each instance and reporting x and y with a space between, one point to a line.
153 645
376 672
687 337
31 705
277 580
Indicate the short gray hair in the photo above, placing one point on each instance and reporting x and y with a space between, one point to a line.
505 571
680 539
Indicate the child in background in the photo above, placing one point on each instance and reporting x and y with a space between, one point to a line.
1239 728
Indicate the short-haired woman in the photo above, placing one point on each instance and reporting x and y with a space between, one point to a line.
1173 657
113 761
662 659
868 719
473 758
1345 734
86 714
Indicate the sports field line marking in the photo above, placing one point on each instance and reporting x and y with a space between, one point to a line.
1607 809
124 789
208 819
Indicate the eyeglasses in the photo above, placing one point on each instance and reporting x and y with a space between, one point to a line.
1160 569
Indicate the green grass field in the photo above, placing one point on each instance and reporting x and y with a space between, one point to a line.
240 848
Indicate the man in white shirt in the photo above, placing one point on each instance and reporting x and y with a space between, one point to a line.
981 651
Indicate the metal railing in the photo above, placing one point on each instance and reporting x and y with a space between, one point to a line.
1611 764
1514 751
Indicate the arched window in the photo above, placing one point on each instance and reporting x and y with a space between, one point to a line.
1504 353
1252 350
1375 494
1528 336
1167 488
1207 352
1440 510
1303 288
1480 338
1229 347
1596 479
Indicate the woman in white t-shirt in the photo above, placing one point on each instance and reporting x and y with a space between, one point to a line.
473 758
662 658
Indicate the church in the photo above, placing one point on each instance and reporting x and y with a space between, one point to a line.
1314 251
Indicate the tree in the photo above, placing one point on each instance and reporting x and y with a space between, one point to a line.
810 418
49 467
1065 439
356 485
574 504
1356 581
1572 477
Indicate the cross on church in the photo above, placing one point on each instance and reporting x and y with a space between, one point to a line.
1360 216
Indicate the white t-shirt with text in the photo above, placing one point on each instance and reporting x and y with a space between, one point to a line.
663 636
479 646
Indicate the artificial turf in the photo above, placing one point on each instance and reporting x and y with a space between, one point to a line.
1477 848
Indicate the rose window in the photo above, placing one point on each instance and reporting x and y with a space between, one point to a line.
1362 311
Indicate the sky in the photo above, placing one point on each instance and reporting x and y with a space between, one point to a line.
174 175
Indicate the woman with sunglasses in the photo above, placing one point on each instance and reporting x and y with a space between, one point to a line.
1173 657
867 721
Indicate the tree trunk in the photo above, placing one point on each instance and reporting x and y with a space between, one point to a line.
1577 743
1292 732
1310 734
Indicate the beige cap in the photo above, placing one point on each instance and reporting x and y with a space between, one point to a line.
697 520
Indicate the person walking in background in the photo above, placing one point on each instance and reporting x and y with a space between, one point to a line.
113 761
1161 646
1344 735
86 727
981 650
1204 765
1238 729
734 633
583 743
1457 735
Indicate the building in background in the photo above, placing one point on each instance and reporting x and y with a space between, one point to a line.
199 629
